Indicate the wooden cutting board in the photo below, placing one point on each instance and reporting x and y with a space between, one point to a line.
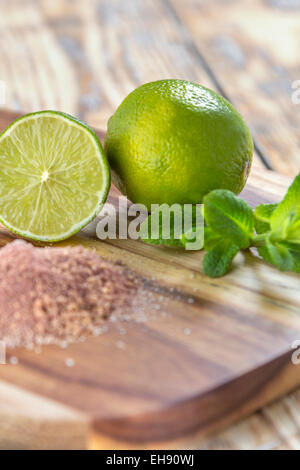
220 349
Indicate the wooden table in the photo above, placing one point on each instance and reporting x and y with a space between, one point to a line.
84 57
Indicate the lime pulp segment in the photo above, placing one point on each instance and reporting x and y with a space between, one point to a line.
54 176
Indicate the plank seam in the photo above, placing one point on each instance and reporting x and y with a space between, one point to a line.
196 52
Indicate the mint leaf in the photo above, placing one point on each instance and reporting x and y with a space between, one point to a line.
177 226
290 203
296 256
229 216
294 250
211 238
279 255
217 262
284 255
293 228
145 235
294 247
285 220
262 217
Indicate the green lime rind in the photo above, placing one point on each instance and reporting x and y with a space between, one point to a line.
97 154
174 141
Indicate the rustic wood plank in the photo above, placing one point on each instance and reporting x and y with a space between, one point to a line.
36 72
277 426
29 421
97 52
252 50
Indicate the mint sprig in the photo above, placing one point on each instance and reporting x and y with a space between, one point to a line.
231 225
262 215
217 261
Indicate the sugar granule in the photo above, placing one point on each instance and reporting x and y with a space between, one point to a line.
58 295
14 360
70 362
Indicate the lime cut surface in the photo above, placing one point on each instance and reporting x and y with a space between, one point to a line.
54 176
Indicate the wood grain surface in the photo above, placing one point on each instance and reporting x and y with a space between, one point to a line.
208 352
97 52
252 48
84 57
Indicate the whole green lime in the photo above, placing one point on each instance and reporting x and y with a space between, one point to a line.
173 141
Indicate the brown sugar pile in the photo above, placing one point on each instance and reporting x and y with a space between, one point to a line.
52 294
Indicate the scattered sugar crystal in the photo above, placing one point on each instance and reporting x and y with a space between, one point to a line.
70 362
14 360
97 331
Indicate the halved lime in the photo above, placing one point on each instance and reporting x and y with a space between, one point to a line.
54 176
